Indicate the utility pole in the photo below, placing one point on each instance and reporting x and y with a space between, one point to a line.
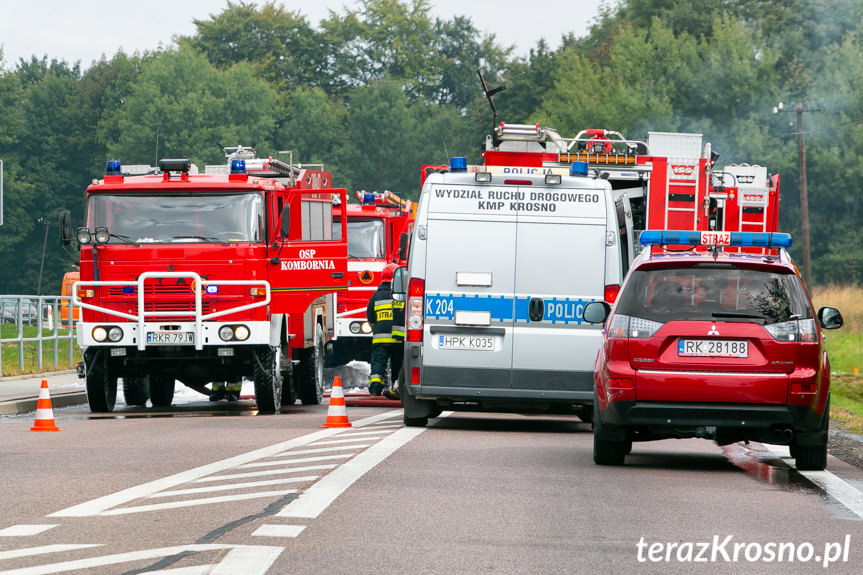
799 109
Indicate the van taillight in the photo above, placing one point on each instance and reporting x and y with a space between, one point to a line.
415 316
611 292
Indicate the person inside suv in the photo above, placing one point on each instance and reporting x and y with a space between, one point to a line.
712 344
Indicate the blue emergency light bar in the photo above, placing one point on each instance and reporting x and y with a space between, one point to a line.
578 169
238 166
719 238
458 164
112 168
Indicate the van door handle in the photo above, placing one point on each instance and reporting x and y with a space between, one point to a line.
535 309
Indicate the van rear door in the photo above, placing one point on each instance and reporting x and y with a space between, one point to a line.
469 288
560 267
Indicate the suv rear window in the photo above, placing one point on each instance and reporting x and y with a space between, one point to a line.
717 292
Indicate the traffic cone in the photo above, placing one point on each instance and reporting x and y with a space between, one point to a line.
337 414
44 412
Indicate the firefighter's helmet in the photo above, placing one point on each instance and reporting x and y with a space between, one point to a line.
389 272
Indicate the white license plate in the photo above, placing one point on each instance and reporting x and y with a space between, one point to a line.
712 348
469 342
170 337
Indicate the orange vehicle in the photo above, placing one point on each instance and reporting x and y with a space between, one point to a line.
69 278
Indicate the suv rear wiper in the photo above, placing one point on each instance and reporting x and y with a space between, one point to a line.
738 314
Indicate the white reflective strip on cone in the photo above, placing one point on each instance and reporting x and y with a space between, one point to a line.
337 410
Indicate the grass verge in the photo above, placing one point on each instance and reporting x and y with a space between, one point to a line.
10 351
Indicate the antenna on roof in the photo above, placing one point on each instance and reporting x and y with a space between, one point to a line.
489 94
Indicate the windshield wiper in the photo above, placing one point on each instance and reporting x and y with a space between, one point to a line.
203 239
738 314
125 239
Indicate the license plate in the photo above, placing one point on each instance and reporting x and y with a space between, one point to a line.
468 342
712 348
170 337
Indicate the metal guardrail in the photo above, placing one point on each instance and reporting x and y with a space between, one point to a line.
43 312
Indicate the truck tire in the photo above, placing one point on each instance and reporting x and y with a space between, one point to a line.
136 391
606 451
311 371
161 390
268 382
813 457
101 387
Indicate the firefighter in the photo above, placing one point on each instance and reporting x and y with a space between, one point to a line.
226 390
388 333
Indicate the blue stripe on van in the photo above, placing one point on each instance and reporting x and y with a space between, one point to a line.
501 308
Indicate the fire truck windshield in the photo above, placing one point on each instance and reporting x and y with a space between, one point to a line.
179 218
366 238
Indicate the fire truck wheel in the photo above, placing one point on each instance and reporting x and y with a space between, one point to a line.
136 391
311 372
101 387
161 390
268 386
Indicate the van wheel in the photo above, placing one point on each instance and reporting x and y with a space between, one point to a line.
136 391
606 451
268 385
311 371
161 390
101 386
813 457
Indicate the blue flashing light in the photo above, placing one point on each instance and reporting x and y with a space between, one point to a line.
578 169
458 164
112 168
238 166
369 199
212 289
692 238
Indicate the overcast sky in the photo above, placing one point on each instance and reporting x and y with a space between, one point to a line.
83 30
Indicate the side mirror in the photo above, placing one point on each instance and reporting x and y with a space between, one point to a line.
286 221
400 277
403 246
65 228
596 312
830 318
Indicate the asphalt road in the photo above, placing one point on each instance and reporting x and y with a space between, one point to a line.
217 488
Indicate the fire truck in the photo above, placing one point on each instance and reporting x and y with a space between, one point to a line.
207 277
376 227
670 179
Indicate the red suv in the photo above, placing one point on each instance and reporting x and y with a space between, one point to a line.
705 340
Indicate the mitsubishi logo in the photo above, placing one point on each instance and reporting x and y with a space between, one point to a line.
713 330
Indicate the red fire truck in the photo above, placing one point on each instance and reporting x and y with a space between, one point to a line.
208 277
670 179
375 228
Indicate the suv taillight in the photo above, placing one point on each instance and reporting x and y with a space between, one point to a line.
415 316
796 330
611 292
634 327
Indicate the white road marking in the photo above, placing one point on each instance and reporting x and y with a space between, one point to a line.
319 496
834 486
41 550
211 488
240 560
25 530
193 502
273 462
103 505
343 441
263 473
325 449
278 531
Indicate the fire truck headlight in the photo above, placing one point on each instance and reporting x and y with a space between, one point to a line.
367 327
226 333
102 236
86 293
258 291
83 236
115 333
241 332
100 333
355 327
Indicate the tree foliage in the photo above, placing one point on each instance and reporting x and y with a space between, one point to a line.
376 91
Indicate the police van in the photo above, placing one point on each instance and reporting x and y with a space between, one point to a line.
500 267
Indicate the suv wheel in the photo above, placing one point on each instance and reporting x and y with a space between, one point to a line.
607 451
813 457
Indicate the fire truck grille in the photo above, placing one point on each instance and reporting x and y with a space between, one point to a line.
151 291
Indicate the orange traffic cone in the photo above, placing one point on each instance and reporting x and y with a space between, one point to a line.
44 412
337 414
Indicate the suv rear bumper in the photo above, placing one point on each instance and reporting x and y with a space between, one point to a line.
672 415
